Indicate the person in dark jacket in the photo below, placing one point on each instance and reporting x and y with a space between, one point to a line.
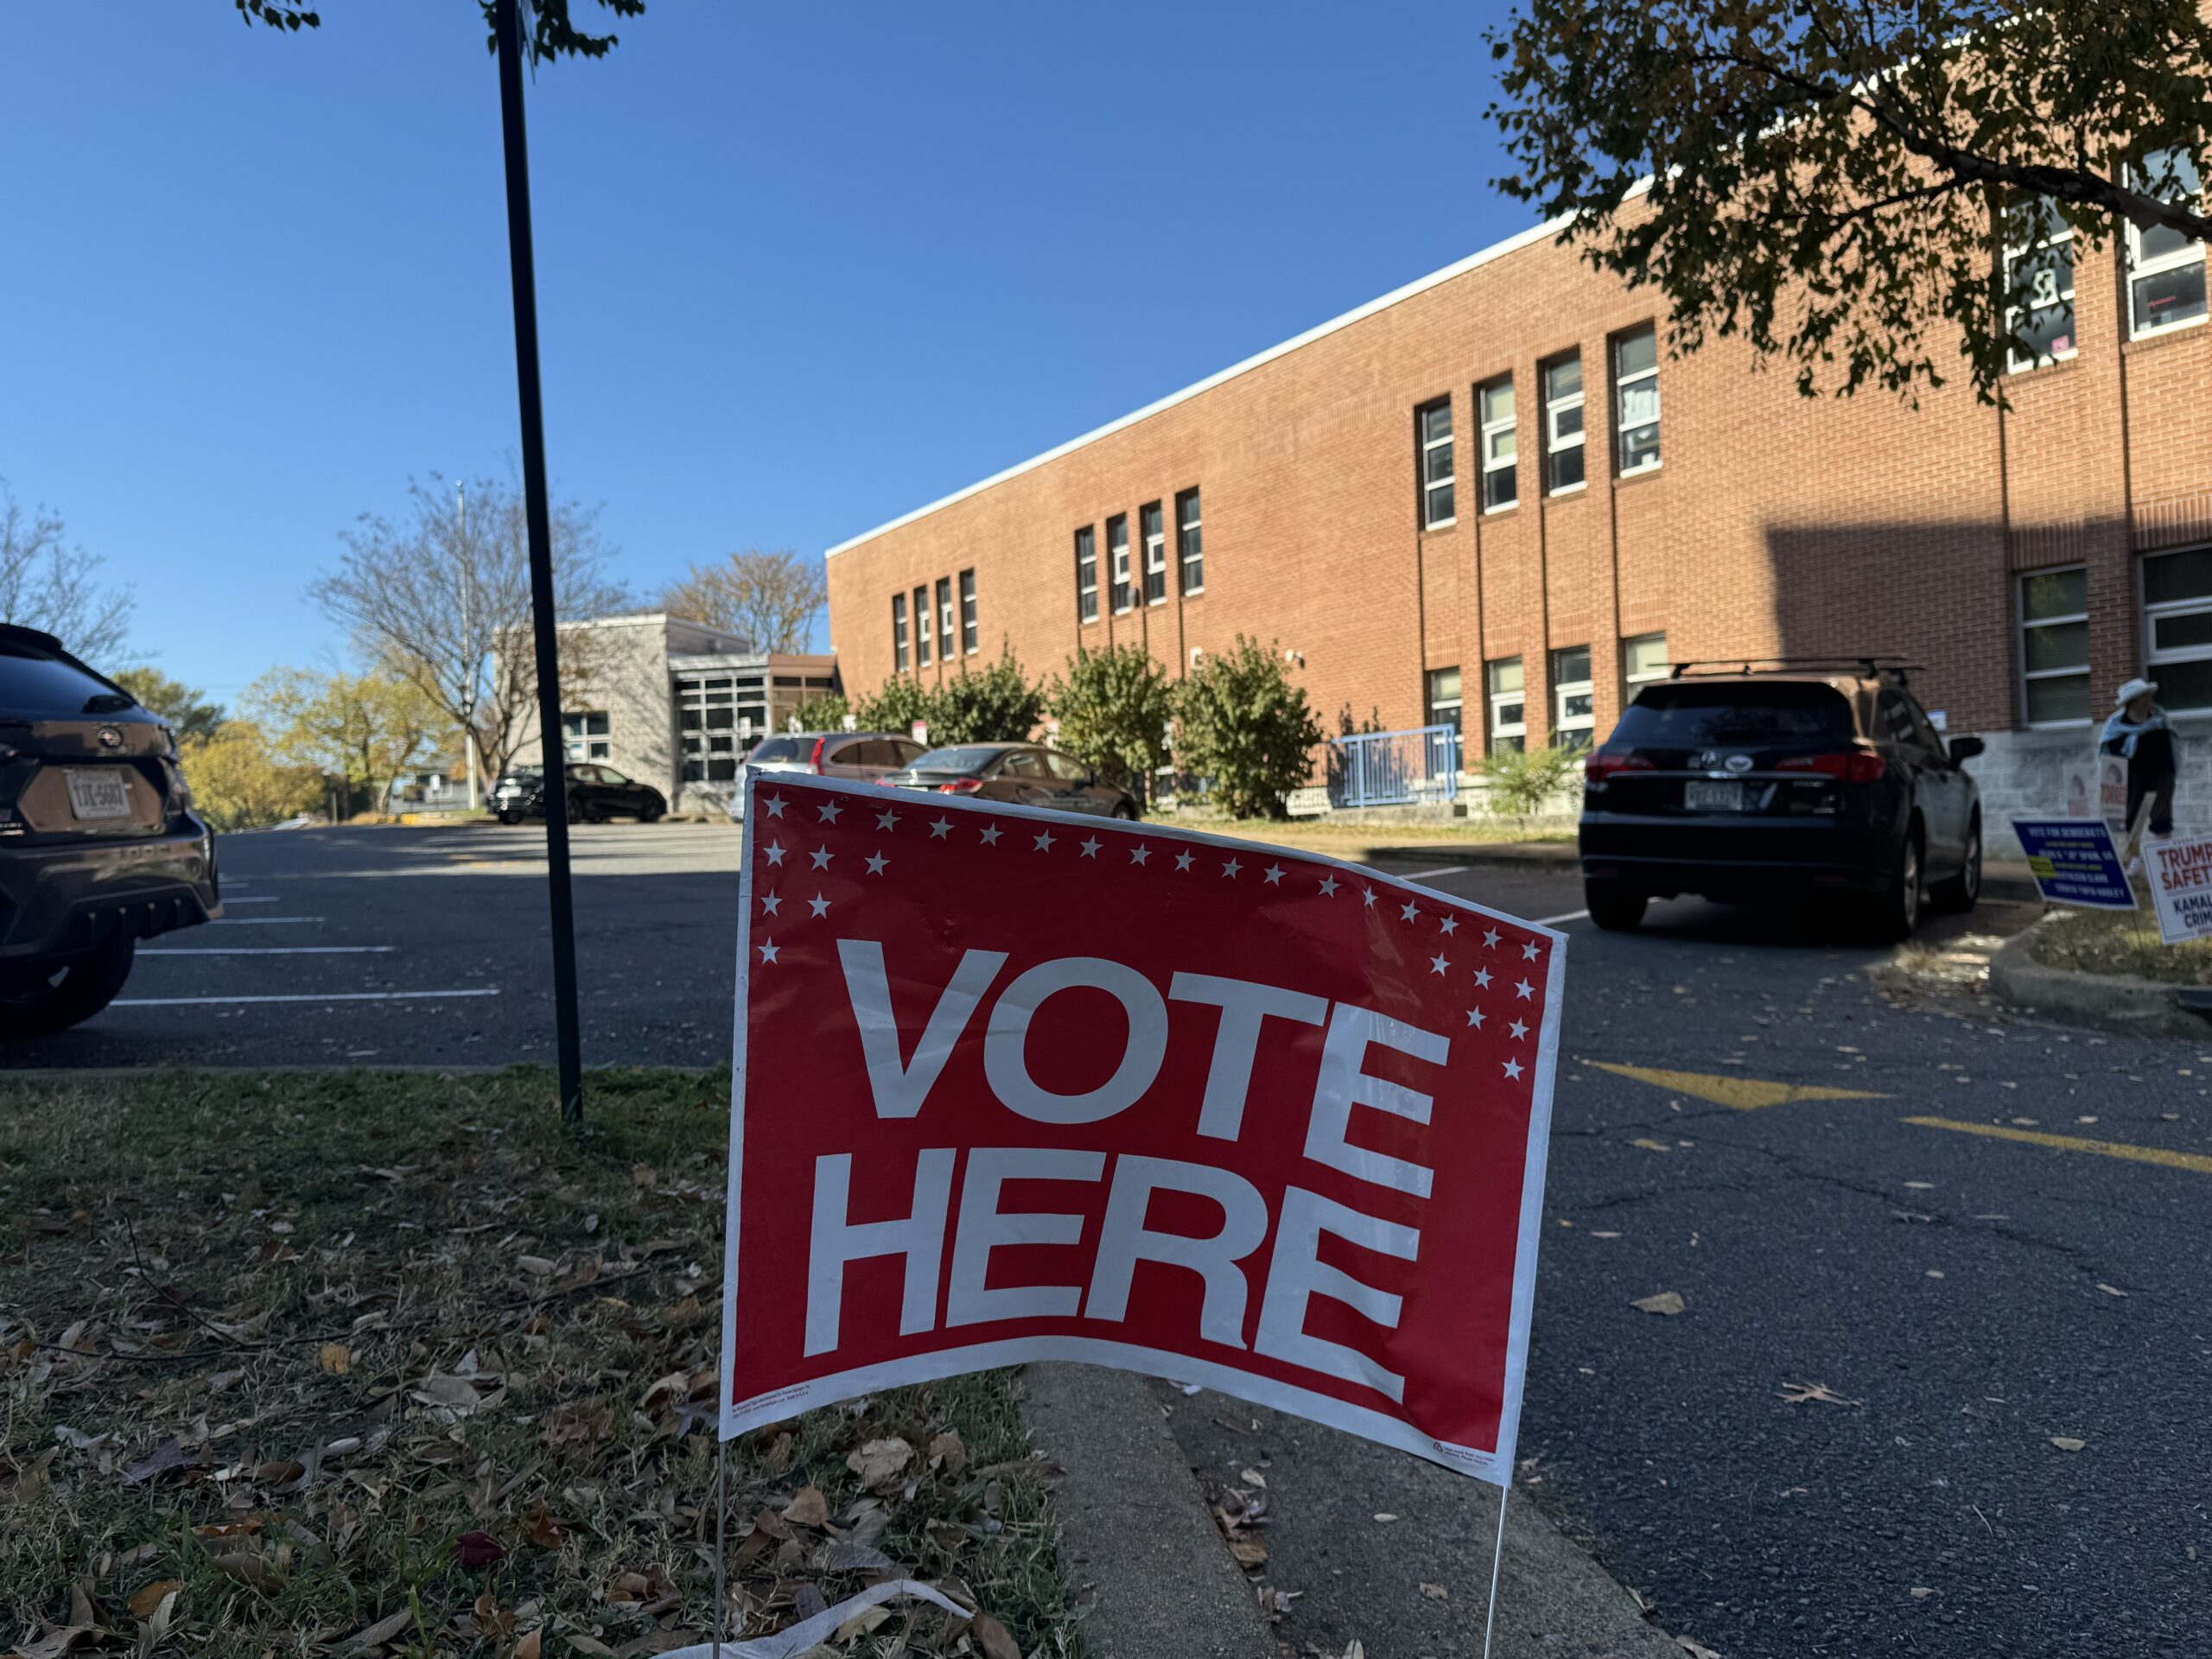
2138 732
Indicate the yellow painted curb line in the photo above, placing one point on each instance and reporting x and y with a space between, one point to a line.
1742 1094
2194 1161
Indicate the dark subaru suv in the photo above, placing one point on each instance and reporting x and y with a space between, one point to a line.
99 845
1745 785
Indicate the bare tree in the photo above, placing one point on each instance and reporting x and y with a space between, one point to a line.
771 598
47 584
442 598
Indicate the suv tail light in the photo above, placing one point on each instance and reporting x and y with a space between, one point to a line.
1852 766
961 786
1607 761
814 760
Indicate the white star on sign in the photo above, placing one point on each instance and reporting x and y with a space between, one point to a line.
1139 853
940 828
1273 872
1328 887
1043 842
1489 940
1482 977
1436 964
1522 989
875 863
990 833
886 818
775 805
775 852
1183 860
1368 893
822 855
768 950
829 811
1513 1069
770 902
1475 1018
1519 1029
1408 910
1529 951
1449 924
819 905
1230 868
1089 846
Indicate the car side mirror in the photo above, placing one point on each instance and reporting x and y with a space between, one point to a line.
1964 749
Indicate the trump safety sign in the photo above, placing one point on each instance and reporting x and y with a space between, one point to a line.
1013 1085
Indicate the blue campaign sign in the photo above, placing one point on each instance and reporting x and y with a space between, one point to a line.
2075 862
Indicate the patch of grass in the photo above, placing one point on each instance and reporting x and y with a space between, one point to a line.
1357 842
2120 942
320 1352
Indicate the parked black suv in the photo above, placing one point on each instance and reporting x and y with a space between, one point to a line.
1743 785
596 793
99 845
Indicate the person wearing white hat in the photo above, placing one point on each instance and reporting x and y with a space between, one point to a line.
2138 731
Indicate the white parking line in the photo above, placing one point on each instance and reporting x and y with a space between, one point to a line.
262 921
274 950
327 996
1554 921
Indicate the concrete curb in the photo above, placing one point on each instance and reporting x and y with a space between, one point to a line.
2103 1001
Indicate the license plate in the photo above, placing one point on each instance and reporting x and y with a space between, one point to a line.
102 794
1701 797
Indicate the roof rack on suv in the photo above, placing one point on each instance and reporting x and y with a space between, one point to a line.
1872 667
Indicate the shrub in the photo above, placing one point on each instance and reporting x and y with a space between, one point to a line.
1247 729
820 714
897 704
1113 710
1522 784
994 705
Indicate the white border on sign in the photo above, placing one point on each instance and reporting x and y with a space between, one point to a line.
1496 1466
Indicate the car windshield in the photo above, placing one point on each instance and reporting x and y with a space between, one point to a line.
523 772
1681 716
32 682
781 749
969 757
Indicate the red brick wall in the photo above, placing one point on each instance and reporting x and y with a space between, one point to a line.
1776 525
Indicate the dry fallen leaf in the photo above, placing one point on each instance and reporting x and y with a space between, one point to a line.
1248 1552
1798 1393
1435 1592
2111 1290
1253 1478
337 1358
808 1509
993 1638
537 1266
947 1452
145 1599
1667 1301
1385 1517
2067 1443
1695 1650
881 1464
528 1648
1650 1145
1920 1593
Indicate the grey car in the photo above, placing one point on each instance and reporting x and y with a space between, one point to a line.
1022 772
863 757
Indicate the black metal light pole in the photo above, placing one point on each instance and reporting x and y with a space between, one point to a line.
567 1043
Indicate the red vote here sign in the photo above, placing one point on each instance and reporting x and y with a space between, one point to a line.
1016 1085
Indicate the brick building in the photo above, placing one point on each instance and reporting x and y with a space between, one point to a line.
1488 497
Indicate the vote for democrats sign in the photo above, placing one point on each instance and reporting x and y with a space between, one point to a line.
1016 1085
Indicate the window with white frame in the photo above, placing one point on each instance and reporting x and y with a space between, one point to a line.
1563 425
898 633
1189 543
944 618
1501 448
2177 625
1086 575
1508 708
1154 527
2042 328
922 629
585 737
1574 702
1644 659
1432 425
968 637
1444 699
2165 268
1118 559
2054 647
1636 398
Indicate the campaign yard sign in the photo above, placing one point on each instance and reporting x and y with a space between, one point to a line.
2074 863
2181 887
1014 1085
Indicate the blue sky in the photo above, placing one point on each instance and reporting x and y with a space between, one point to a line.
801 267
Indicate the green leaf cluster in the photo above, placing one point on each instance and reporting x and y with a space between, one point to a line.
1115 707
1246 728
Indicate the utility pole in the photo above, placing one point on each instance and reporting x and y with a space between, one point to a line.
567 1043
467 642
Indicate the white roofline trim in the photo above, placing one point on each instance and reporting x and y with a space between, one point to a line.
1496 251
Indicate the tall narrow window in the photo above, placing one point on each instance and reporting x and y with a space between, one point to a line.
1155 552
922 629
1444 697
968 633
1086 575
1563 424
1434 428
2177 617
944 618
1189 543
1574 703
1636 398
2039 276
898 633
1508 711
1118 559
2165 269
2055 646
1501 470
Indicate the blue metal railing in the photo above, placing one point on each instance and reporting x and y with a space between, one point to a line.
1395 769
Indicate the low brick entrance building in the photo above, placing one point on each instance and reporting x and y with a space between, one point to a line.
1491 499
